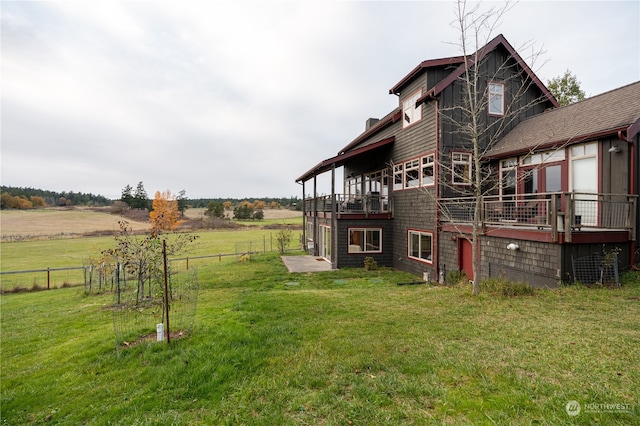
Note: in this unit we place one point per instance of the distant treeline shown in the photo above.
(52, 198)
(17, 197)
(286, 202)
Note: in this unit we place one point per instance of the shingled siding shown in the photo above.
(418, 139)
(414, 209)
(536, 263)
(356, 260)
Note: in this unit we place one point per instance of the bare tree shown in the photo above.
(468, 118)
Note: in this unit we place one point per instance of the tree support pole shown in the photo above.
(166, 289)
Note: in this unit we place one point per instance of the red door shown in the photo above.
(465, 258)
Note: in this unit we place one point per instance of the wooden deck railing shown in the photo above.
(559, 212)
(363, 204)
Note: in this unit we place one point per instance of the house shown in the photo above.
(558, 183)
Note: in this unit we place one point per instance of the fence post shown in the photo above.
(187, 263)
(48, 278)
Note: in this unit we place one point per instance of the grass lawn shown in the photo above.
(76, 252)
(341, 347)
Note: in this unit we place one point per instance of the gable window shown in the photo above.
(461, 168)
(496, 99)
(365, 240)
(411, 173)
(410, 112)
(427, 170)
(397, 177)
(420, 245)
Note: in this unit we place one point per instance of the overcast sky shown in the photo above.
(237, 99)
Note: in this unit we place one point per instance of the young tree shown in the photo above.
(468, 118)
(283, 238)
(566, 88)
(165, 215)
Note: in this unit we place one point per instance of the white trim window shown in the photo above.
(460, 168)
(365, 240)
(410, 112)
(427, 170)
(496, 99)
(353, 187)
(508, 182)
(398, 173)
(412, 174)
(420, 246)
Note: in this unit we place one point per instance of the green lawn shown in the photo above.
(76, 252)
(334, 348)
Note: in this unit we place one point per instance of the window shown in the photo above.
(397, 177)
(508, 177)
(461, 168)
(496, 99)
(365, 240)
(410, 112)
(420, 245)
(428, 176)
(411, 173)
(353, 187)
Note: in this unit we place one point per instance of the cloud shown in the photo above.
(237, 99)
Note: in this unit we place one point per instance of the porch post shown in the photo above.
(304, 219)
(568, 218)
(315, 216)
(334, 220)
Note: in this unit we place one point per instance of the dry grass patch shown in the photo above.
(55, 222)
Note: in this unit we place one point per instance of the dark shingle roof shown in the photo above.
(589, 119)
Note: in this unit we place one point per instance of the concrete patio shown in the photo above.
(306, 264)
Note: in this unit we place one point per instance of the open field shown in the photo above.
(70, 222)
(333, 348)
(43, 223)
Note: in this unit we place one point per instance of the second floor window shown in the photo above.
(411, 173)
(397, 177)
(428, 175)
(410, 112)
(496, 99)
(461, 168)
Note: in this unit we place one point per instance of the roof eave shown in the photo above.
(557, 143)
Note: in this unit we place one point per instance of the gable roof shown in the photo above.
(499, 40)
(432, 63)
(598, 116)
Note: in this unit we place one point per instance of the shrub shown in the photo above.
(504, 287)
(283, 238)
(456, 277)
(370, 263)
